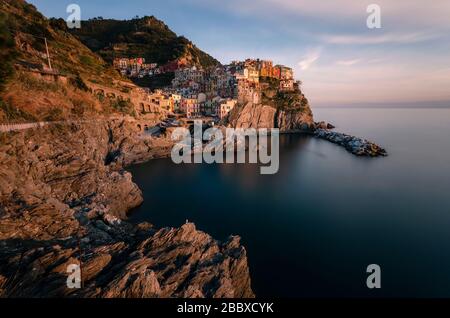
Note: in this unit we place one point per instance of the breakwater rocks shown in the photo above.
(355, 145)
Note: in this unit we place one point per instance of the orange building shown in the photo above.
(276, 72)
(266, 68)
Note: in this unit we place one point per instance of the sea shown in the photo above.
(312, 229)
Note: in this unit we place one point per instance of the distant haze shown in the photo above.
(327, 42)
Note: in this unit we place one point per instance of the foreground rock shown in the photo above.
(64, 195)
(121, 260)
(355, 145)
(324, 125)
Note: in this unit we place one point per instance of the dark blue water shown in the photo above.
(312, 229)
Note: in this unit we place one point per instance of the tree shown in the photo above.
(59, 24)
(7, 50)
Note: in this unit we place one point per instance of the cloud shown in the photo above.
(393, 38)
(376, 60)
(395, 81)
(402, 12)
(348, 62)
(309, 59)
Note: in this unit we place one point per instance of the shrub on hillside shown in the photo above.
(13, 114)
(123, 106)
(79, 83)
(7, 52)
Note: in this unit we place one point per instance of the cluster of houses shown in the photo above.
(190, 106)
(136, 67)
(197, 92)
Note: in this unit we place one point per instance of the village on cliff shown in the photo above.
(196, 92)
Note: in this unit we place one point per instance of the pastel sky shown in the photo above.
(327, 42)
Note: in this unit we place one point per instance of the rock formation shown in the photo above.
(274, 108)
(120, 260)
(64, 196)
(264, 116)
(298, 118)
(357, 146)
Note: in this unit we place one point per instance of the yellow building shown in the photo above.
(224, 108)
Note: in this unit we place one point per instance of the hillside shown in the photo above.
(145, 37)
(28, 27)
(75, 84)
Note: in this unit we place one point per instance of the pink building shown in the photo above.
(190, 107)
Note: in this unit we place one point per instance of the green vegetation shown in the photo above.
(145, 37)
(79, 83)
(156, 81)
(33, 84)
(287, 101)
(271, 96)
(7, 52)
(87, 60)
(54, 114)
(272, 82)
(23, 61)
(14, 114)
(58, 24)
(21, 14)
(68, 55)
(82, 107)
(123, 106)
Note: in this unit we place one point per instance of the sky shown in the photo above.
(328, 44)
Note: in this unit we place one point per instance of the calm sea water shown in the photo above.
(312, 229)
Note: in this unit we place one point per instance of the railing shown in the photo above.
(24, 126)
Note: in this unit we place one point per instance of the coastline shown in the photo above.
(78, 212)
(75, 192)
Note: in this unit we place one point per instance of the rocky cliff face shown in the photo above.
(264, 116)
(75, 164)
(274, 108)
(64, 194)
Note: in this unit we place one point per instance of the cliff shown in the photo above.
(265, 116)
(287, 110)
(64, 195)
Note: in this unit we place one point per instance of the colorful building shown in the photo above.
(190, 107)
(225, 108)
